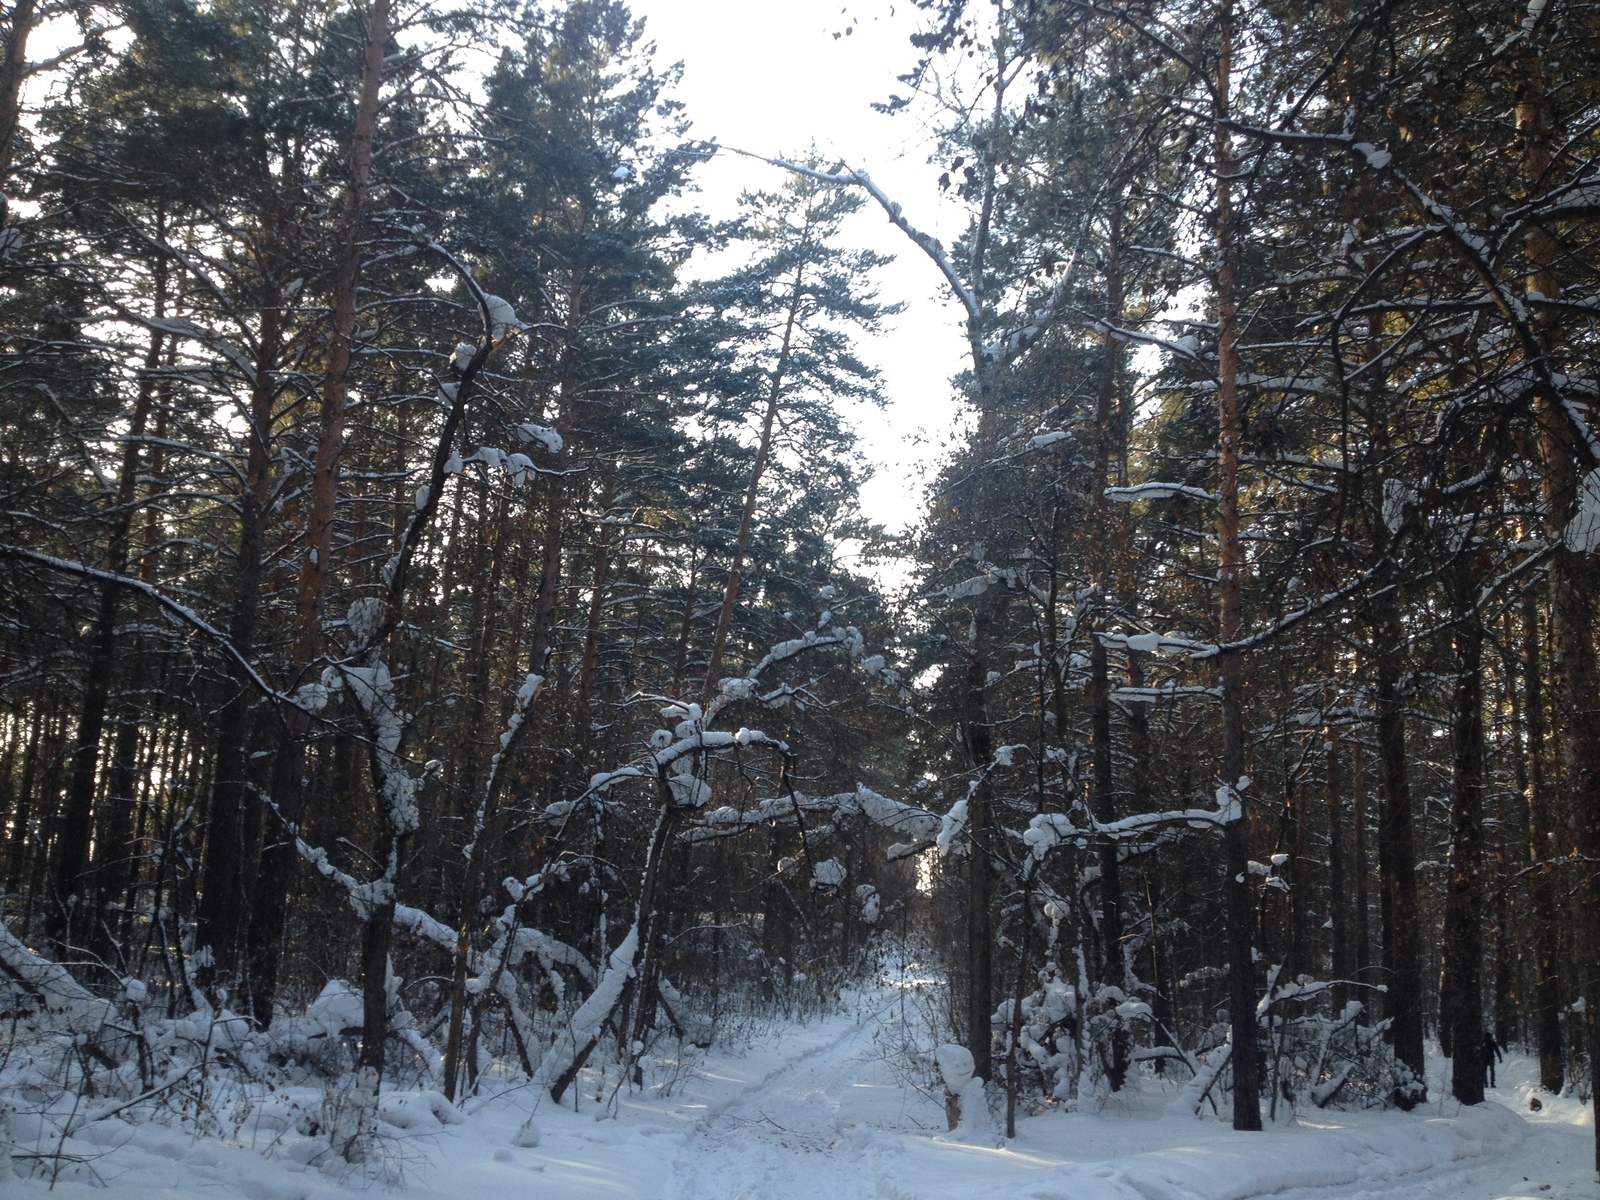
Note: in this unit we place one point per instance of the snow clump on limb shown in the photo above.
(871, 902)
(828, 873)
(542, 435)
(502, 317)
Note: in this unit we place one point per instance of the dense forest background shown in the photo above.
(434, 635)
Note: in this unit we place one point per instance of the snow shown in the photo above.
(955, 1066)
(502, 317)
(975, 586)
(1398, 497)
(1155, 491)
(953, 825)
(830, 873)
(1582, 533)
(541, 435)
(828, 1109)
(1376, 159)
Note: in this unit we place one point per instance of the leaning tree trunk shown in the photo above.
(730, 594)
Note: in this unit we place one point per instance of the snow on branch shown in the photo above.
(929, 245)
(919, 825)
(1186, 346)
(1048, 830)
(1148, 695)
(585, 1025)
(52, 985)
(1156, 491)
(1153, 643)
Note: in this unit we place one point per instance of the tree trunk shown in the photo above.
(1543, 853)
(730, 595)
(1230, 565)
(1397, 861)
(224, 894)
(605, 540)
(13, 70)
(317, 564)
(1338, 909)
(1112, 972)
(1463, 925)
(1570, 578)
(980, 940)
(279, 857)
(73, 871)
(1360, 928)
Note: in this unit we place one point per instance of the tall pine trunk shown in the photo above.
(1230, 566)
(1543, 854)
(1570, 578)
(279, 858)
(1461, 1002)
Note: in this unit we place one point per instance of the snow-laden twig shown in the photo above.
(1156, 491)
(1048, 830)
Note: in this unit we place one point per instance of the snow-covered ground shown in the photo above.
(824, 1111)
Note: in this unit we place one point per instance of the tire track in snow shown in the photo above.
(787, 1134)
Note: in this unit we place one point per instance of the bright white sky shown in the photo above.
(770, 76)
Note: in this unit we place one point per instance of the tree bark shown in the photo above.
(1230, 566)
(1103, 798)
(224, 901)
(1570, 579)
(1542, 856)
(317, 563)
(1397, 869)
(73, 870)
(13, 71)
(1463, 927)
(279, 859)
(980, 942)
(1343, 968)
(1360, 928)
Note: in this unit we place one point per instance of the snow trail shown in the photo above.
(822, 1111)
(813, 1126)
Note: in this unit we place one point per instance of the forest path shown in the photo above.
(820, 1124)
(833, 1119)
(827, 1110)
